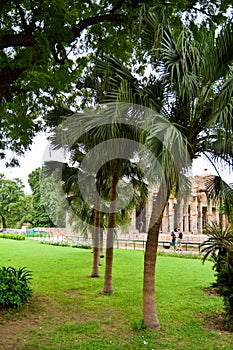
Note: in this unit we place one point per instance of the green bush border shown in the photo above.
(12, 236)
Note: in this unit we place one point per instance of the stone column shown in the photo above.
(209, 213)
(186, 215)
(179, 219)
(199, 215)
(171, 213)
(133, 221)
(149, 207)
(193, 217)
(165, 222)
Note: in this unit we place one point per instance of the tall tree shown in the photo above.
(191, 86)
(198, 101)
(87, 153)
(46, 49)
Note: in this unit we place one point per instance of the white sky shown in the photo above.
(28, 163)
(34, 158)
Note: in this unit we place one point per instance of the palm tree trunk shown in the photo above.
(108, 288)
(95, 247)
(150, 317)
(149, 312)
(96, 234)
(101, 236)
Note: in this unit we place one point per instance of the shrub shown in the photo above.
(219, 246)
(14, 286)
(12, 236)
(224, 284)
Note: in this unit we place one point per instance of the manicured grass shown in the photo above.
(68, 311)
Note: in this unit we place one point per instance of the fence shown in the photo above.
(135, 244)
(118, 243)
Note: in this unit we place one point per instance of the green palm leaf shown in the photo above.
(220, 238)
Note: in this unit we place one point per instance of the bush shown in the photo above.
(224, 284)
(12, 236)
(14, 286)
(219, 246)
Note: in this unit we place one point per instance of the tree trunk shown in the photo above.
(95, 247)
(149, 312)
(101, 245)
(96, 236)
(108, 288)
(150, 317)
(3, 223)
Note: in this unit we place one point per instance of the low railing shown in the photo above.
(118, 243)
(185, 245)
(136, 244)
(141, 244)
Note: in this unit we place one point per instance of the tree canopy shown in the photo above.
(46, 49)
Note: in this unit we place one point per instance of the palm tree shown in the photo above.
(88, 219)
(88, 146)
(193, 90)
(220, 241)
(198, 97)
(120, 168)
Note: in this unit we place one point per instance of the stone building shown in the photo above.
(190, 213)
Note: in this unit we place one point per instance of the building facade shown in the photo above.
(190, 213)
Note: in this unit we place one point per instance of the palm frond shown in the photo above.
(220, 238)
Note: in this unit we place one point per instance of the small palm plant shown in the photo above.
(219, 247)
(14, 286)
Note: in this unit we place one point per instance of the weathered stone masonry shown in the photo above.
(190, 213)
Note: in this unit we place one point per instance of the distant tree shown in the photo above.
(21, 212)
(41, 217)
(11, 197)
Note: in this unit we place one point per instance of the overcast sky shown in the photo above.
(34, 158)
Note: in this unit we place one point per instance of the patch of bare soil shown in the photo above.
(17, 326)
(15, 323)
(211, 291)
(217, 321)
(72, 293)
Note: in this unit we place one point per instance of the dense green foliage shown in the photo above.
(11, 201)
(14, 286)
(16, 208)
(47, 49)
(219, 246)
(224, 284)
(46, 211)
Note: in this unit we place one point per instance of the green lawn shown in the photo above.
(68, 311)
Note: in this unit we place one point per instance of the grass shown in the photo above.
(68, 312)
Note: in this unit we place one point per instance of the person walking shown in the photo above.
(173, 242)
(179, 239)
